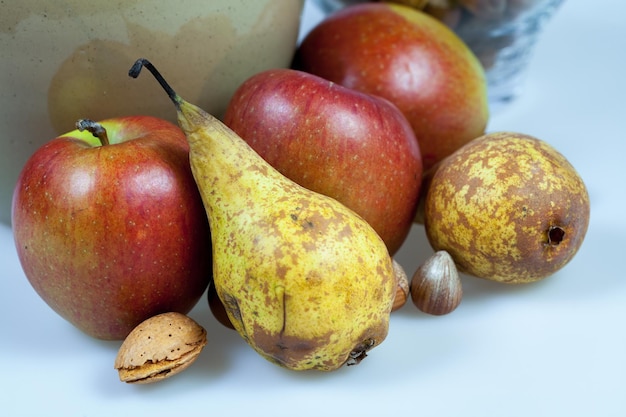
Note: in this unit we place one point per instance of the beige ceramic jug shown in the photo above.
(69, 59)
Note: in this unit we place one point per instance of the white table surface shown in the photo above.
(555, 348)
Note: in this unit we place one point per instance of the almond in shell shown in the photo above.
(159, 347)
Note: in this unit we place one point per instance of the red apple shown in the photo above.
(411, 59)
(112, 234)
(354, 147)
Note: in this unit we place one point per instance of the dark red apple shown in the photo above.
(409, 58)
(354, 147)
(110, 234)
(217, 307)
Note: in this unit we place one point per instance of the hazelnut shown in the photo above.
(402, 286)
(436, 287)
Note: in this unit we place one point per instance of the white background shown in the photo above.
(554, 348)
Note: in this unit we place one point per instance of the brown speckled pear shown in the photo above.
(507, 207)
(305, 281)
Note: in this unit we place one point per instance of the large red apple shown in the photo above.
(112, 234)
(411, 59)
(354, 147)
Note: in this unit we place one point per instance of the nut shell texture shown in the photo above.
(160, 347)
(402, 286)
(436, 287)
(507, 207)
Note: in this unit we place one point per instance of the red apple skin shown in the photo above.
(354, 147)
(409, 58)
(111, 235)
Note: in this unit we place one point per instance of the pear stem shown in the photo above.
(143, 62)
(95, 128)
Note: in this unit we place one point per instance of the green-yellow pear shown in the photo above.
(305, 281)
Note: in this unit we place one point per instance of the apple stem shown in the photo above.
(95, 128)
(143, 62)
